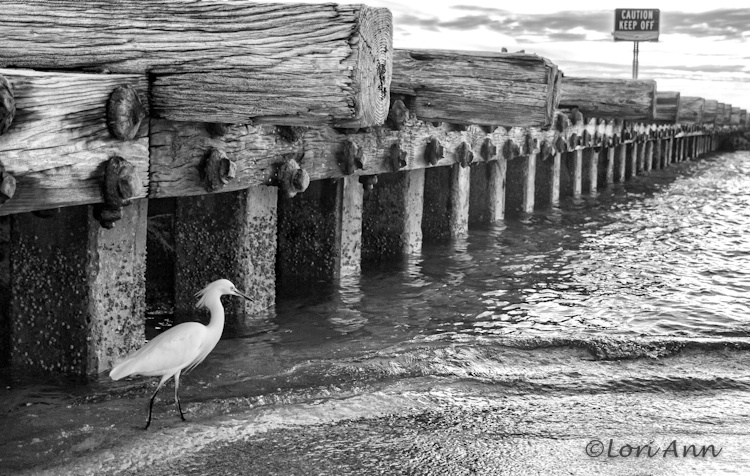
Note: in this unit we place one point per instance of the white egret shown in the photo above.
(180, 348)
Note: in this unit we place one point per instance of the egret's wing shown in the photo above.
(170, 350)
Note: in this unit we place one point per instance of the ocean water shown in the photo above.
(666, 254)
(657, 267)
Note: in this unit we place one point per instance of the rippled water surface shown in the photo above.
(667, 254)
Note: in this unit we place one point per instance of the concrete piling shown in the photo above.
(77, 290)
(227, 235)
(610, 165)
(555, 193)
(520, 184)
(632, 163)
(497, 185)
(5, 273)
(590, 171)
(437, 204)
(392, 216)
(459, 200)
(577, 172)
(621, 167)
(349, 203)
(546, 179)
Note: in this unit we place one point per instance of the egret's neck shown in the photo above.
(217, 314)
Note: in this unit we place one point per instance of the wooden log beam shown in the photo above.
(727, 114)
(667, 106)
(231, 61)
(720, 114)
(478, 88)
(734, 116)
(59, 141)
(631, 99)
(691, 110)
(709, 111)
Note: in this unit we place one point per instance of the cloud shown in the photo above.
(725, 23)
(722, 24)
(711, 72)
(706, 68)
(413, 20)
(506, 22)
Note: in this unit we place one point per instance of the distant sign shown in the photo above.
(636, 24)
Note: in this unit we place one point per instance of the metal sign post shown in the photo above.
(636, 25)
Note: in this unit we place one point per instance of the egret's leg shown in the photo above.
(151, 403)
(176, 395)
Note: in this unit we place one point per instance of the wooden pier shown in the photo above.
(289, 142)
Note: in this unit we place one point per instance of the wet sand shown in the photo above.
(537, 414)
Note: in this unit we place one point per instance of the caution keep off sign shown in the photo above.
(636, 24)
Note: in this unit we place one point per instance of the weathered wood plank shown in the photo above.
(218, 61)
(631, 99)
(667, 105)
(478, 88)
(691, 110)
(709, 111)
(177, 149)
(59, 141)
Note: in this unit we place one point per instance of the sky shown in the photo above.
(703, 48)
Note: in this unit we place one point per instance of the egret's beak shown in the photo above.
(237, 293)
